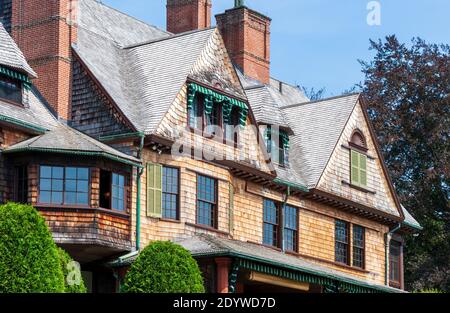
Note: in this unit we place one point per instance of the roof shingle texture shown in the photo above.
(11, 56)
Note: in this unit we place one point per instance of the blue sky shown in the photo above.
(316, 43)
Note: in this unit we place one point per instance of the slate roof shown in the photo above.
(143, 78)
(410, 220)
(11, 56)
(206, 245)
(317, 126)
(63, 138)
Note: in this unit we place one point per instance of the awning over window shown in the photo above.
(16, 75)
(212, 97)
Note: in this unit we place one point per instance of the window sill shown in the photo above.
(67, 208)
(19, 104)
(207, 228)
(168, 220)
(366, 190)
(360, 150)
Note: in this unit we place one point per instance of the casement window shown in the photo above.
(358, 169)
(277, 143)
(170, 193)
(21, 184)
(207, 201)
(290, 232)
(271, 230)
(113, 194)
(395, 263)
(64, 185)
(359, 234)
(10, 89)
(163, 191)
(342, 242)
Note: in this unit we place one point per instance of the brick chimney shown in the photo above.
(44, 31)
(187, 15)
(247, 37)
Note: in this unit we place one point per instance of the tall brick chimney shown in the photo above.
(44, 30)
(247, 37)
(187, 15)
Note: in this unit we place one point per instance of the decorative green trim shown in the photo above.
(211, 96)
(285, 141)
(120, 136)
(75, 152)
(16, 75)
(20, 123)
(292, 185)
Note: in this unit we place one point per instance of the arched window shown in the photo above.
(358, 140)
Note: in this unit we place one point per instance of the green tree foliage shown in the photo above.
(407, 88)
(29, 261)
(73, 281)
(164, 267)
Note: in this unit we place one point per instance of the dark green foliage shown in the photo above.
(29, 261)
(164, 267)
(72, 274)
(408, 93)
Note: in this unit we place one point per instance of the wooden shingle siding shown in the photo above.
(91, 111)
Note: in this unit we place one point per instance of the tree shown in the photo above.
(407, 89)
(312, 94)
(164, 267)
(29, 261)
(73, 282)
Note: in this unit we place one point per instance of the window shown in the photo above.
(271, 223)
(358, 169)
(64, 185)
(215, 117)
(112, 191)
(277, 143)
(195, 113)
(231, 126)
(206, 201)
(395, 263)
(21, 185)
(170, 191)
(10, 89)
(342, 253)
(290, 233)
(358, 246)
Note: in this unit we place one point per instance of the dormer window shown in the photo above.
(358, 159)
(10, 89)
(277, 143)
(209, 110)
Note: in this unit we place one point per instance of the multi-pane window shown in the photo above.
(64, 185)
(21, 185)
(206, 201)
(395, 263)
(358, 169)
(271, 223)
(10, 89)
(118, 192)
(342, 239)
(290, 234)
(170, 190)
(358, 246)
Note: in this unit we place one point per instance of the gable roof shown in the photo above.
(64, 139)
(11, 56)
(143, 79)
(318, 126)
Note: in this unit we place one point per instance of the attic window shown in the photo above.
(358, 140)
(277, 142)
(10, 89)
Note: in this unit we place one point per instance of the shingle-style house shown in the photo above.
(127, 134)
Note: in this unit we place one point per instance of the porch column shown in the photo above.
(223, 270)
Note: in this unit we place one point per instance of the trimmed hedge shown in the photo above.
(69, 275)
(29, 261)
(164, 267)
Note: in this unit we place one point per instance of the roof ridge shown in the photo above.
(321, 100)
(128, 15)
(167, 38)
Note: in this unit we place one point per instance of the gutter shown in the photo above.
(290, 185)
(35, 129)
(387, 240)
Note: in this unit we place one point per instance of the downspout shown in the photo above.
(140, 171)
(288, 193)
(387, 240)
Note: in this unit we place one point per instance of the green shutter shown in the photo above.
(355, 168)
(363, 170)
(154, 190)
